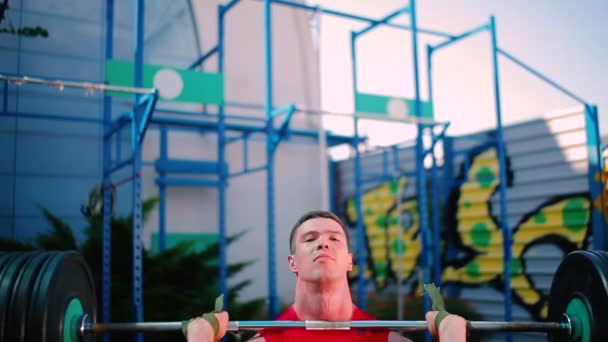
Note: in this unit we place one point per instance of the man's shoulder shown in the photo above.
(360, 315)
(288, 315)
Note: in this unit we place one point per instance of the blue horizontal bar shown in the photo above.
(251, 170)
(382, 21)
(459, 37)
(50, 117)
(171, 181)
(118, 166)
(229, 5)
(541, 76)
(188, 166)
(332, 139)
(203, 58)
(210, 115)
(360, 18)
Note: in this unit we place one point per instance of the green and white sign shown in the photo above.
(393, 107)
(180, 85)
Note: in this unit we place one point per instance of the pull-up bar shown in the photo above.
(361, 18)
(385, 20)
(433, 48)
(72, 84)
(541, 76)
(459, 37)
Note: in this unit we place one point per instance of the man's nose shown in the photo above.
(323, 243)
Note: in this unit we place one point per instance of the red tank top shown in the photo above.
(299, 334)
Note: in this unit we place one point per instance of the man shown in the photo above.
(320, 259)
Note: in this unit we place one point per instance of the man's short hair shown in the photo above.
(312, 215)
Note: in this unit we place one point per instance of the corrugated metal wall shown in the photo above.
(548, 213)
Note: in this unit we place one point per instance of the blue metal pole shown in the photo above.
(107, 181)
(384, 20)
(436, 224)
(136, 196)
(273, 309)
(223, 176)
(162, 191)
(541, 76)
(361, 250)
(420, 170)
(594, 160)
(5, 97)
(360, 247)
(359, 18)
(461, 36)
(504, 216)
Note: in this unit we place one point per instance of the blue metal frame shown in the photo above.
(502, 169)
(140, 122)
(420, 170)
(138, 309)
(420, 154)
(107, 181)
(595, 160)
(598, 223)
(273, 303)
(139, 119)
(223, 173)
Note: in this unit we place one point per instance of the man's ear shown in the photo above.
(350, 262)
(292, 264)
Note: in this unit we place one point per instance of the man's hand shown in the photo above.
(200, 330)
(452, 328)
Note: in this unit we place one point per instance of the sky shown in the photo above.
(562, 39)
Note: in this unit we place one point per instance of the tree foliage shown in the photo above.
(178, 283)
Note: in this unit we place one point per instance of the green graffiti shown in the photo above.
(381, 222)
(380, 269)
(369, 211)
(472, 270)
(394, 185)
(485, 177)
(481, 235)
(540, 218)
(467, 204)
(399, 247)
(516, 268)
(575, 215)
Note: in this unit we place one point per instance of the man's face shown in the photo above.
(321, 251)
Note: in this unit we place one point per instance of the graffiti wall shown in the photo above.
(548, 213)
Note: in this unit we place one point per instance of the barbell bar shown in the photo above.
(50, 296)
(86, 327)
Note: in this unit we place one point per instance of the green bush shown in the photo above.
(178, 283)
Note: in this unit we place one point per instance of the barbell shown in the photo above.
(50, 296)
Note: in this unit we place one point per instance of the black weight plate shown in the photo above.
(66, 278)
(33, 329)
(581, 277)
(37, 316)
(5, 258)
(10, 274)
(20, 298)
(5, 293)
